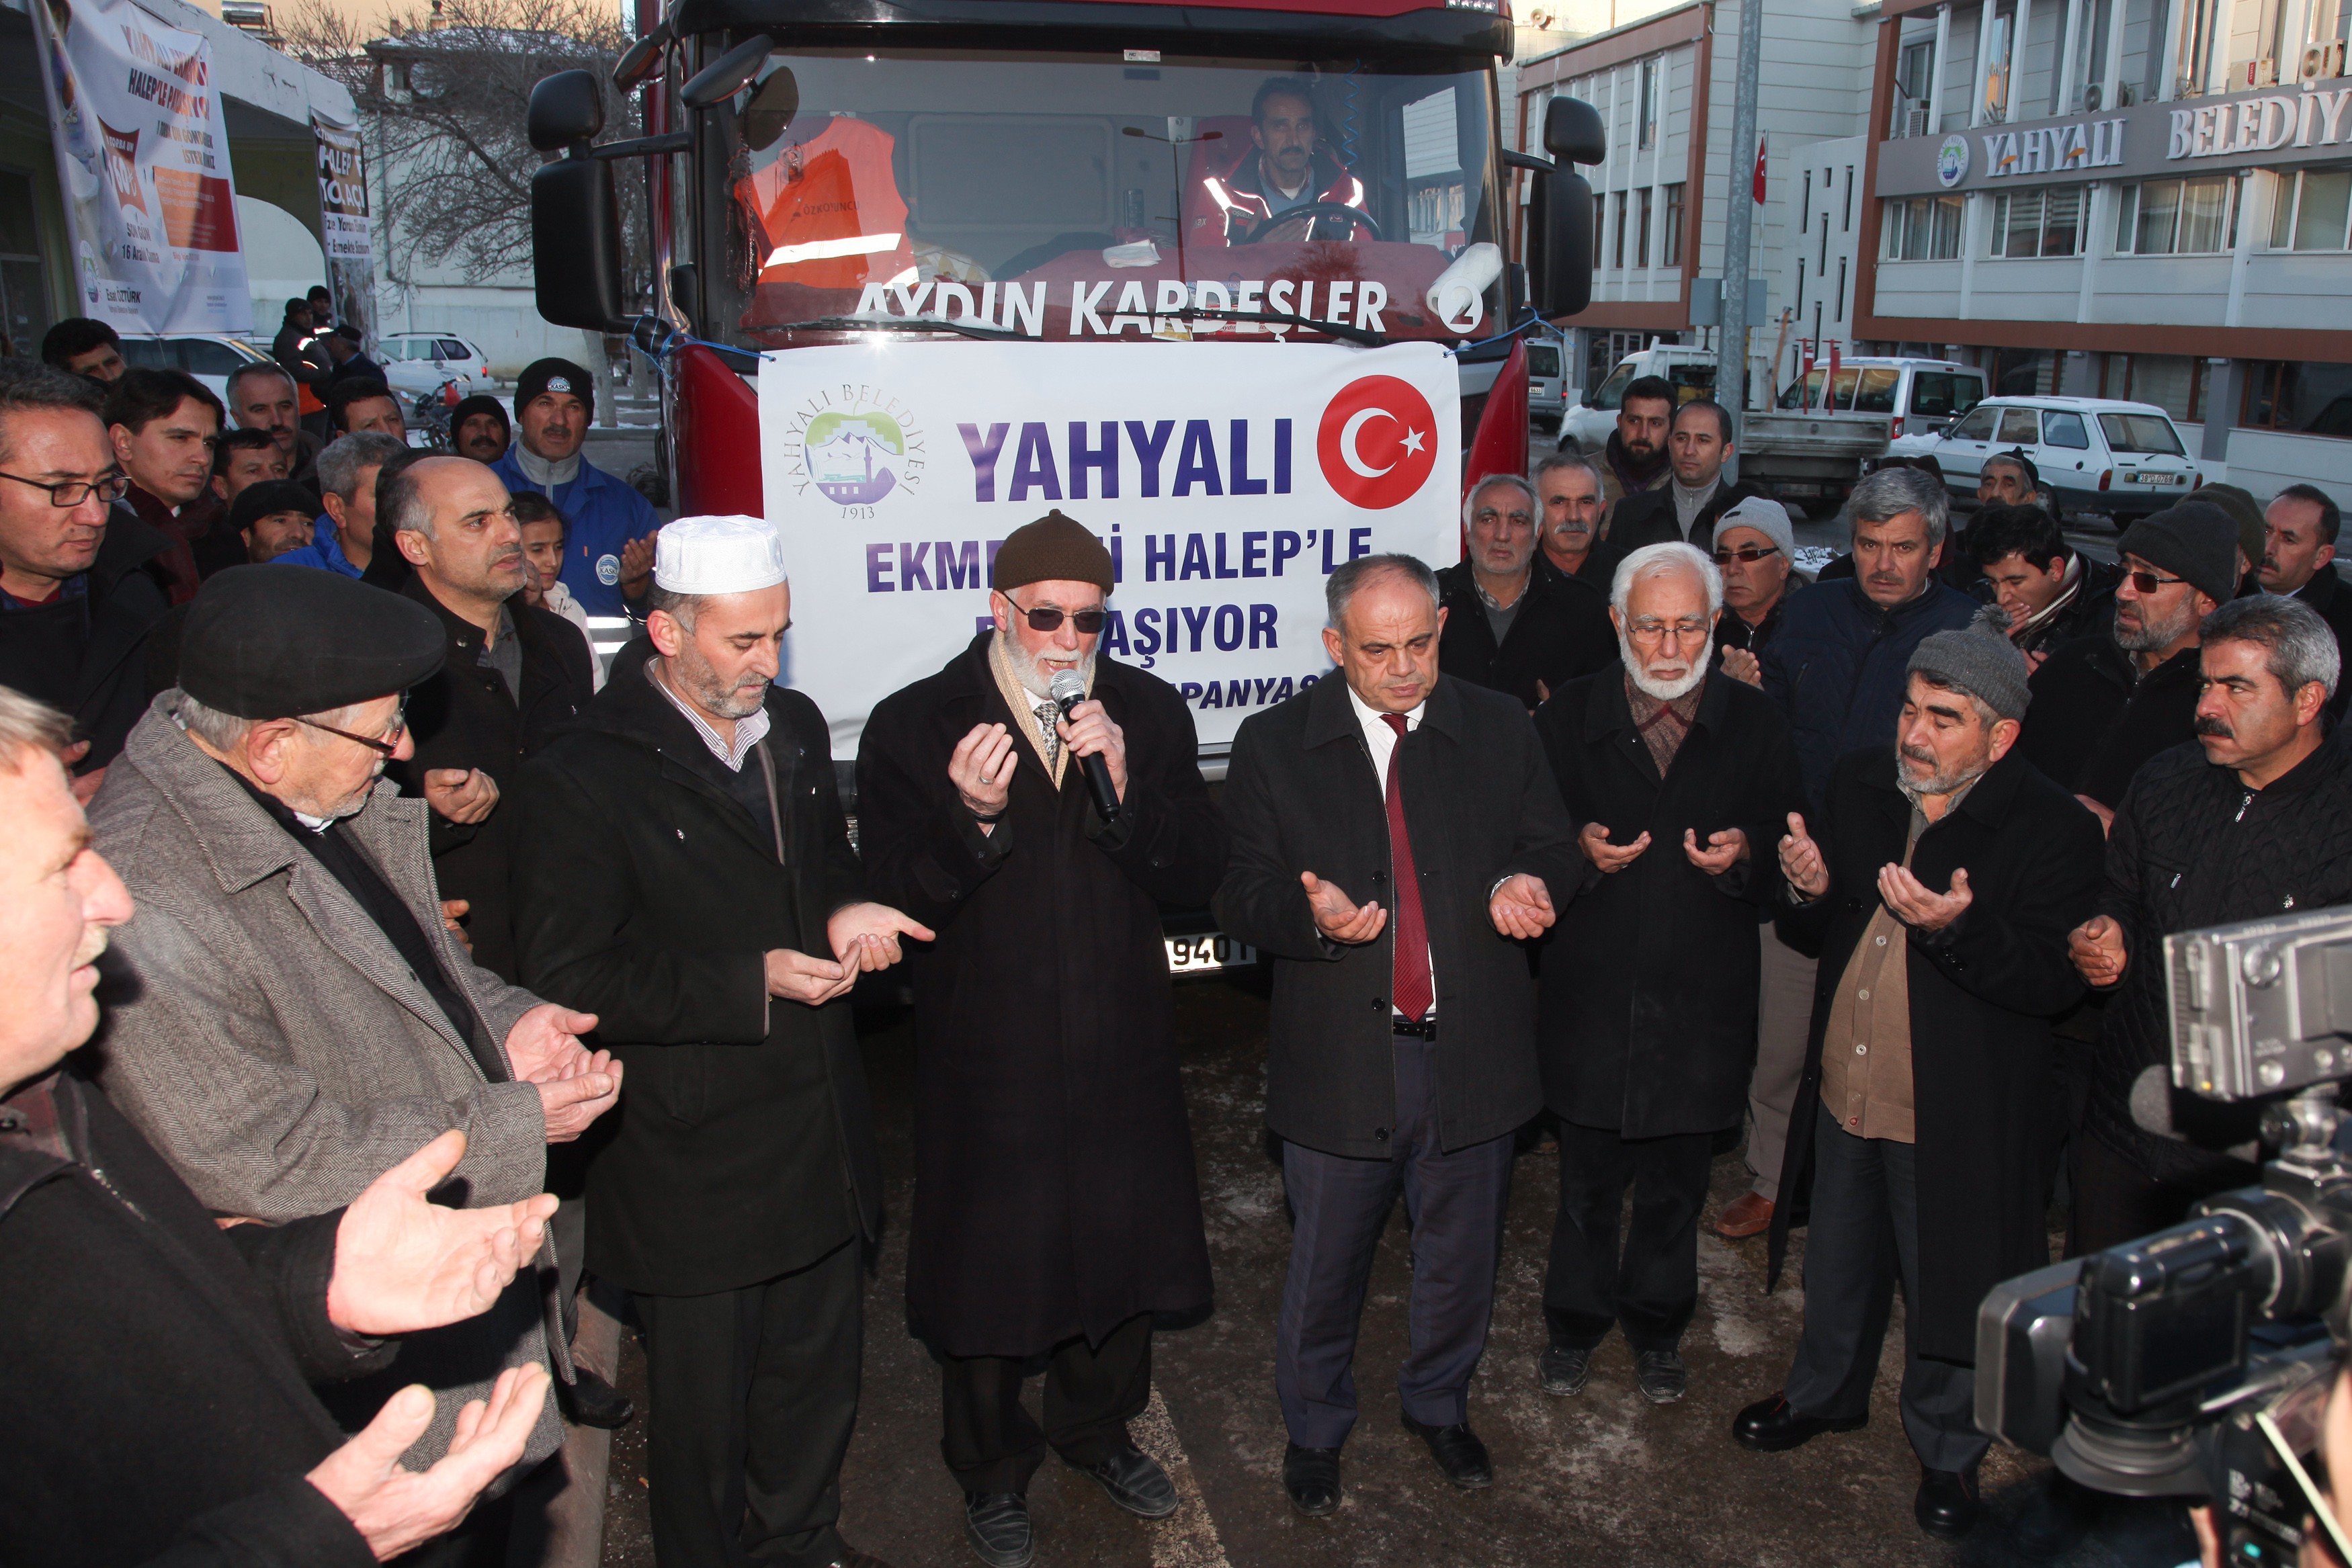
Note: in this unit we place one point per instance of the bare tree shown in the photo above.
(441, 95)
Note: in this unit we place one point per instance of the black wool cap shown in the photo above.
(480, 403)
(255, 502)
(542, 376)
(2194, 539)
(276, 642)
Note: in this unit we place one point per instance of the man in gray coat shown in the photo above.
(288, 1015)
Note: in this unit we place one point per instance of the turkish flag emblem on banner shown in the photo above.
(1759, 170)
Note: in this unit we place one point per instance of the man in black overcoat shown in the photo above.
(1938, 887)
(683, 860)
(1509, 626)
(1646, 1014)
(159, 1367)
(515, 674)
(1056, 1209)
(1396, 837)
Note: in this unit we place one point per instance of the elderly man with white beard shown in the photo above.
(1676, 780)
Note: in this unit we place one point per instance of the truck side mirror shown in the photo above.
(1559, 243)
(566, 109)
(575, 241)
(727, 75)
(1573, 133)
(641, 58)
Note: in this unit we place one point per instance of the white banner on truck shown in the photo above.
(143, 155)
(1228, 481)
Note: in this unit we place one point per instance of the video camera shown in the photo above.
(2196, 1363)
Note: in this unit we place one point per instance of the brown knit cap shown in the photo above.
(1054, 549)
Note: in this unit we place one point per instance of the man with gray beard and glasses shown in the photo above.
(1056, 1213)
(1646, 1019)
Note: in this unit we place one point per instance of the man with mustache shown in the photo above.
(1646, 1019)
(1634, 459)
(1571, 488)
(2299, 529)
(2248, 822)
(608, 548)
(1936, 883)
(2105, 704)
(1755, 551)
(1698, 447)
(686, 871)
(1508, 627)
(1058, 1216)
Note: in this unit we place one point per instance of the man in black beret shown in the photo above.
(608, 550)
(291, 1015)
(272, 519)
(1056, 1211)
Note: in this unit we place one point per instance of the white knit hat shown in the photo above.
(717, 555)
(1767, 516)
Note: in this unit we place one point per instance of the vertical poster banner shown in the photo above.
(1228, 481)
(344, 221)
(143, 156)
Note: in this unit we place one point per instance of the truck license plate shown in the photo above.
(1212, 950)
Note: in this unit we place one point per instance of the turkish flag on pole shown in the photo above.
(1759, 170)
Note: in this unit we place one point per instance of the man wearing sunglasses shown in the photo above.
(2107, 702)
(1755, 551)
(81, 581)
(1056, 1211)
(288, 1017)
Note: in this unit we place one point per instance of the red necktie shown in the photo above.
(1411, 983)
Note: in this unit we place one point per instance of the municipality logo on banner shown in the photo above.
(1228, 480)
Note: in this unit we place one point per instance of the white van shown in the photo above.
(1546, 379)
(1923, 396)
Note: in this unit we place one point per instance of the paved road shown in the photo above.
(1601, 1477)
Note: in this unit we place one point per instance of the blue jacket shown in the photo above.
(601, 514)
(1837, 667)
(325, 552)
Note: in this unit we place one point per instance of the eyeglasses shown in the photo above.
(2148, 582)
(384, 747)
(1087, 622)
(1745, 554)
(70, 492)
(1649, 630)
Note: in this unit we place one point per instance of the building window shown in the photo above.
(2297, 395)
(1646, 128)
(1670, 251)
(24, 277)
(2174, 382)
(1617, 250)
(2176, 217)
(1599, 232)
(1923, 228)
(2037, 222)
(1915, 116)
(2311, 209)
(1642, 234)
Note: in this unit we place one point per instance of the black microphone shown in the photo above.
(1069, 689)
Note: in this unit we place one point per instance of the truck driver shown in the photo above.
(1288, 170)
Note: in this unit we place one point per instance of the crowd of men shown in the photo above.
(340, 876)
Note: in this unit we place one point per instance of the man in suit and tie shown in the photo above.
(1396, 836)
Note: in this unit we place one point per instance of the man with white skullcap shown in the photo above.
(683, 860)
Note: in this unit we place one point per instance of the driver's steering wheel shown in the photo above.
(1313, 210)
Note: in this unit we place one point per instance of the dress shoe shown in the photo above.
(1769, 1426)
(1311, 1476)
(1947, 1506)
(1458, 1452)
(1137, 1483)
(1662, 1377)
(1563, 1368)
(1749, 1214)
(593, 1402)
(997, 1525)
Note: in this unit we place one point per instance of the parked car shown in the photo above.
(1586, 426)
(420, 362)
(1922, 396)
(1547, 390)
(207, 356)
(2099, 456)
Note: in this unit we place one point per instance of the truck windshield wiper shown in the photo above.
(897, 324)
(1341, 329)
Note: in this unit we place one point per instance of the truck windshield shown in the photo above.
(1090, 196)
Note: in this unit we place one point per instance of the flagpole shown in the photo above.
(1739, 218)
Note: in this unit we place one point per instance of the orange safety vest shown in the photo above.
(827, 211)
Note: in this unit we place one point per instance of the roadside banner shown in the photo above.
(143, 156)
(343, 220)
(1228, 480)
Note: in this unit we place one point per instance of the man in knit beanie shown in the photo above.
(1057, 1215)
(1938, 897)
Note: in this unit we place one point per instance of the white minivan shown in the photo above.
(2121, 460)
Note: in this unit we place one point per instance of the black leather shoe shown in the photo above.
(1311, 1476)
(1660, 1376)
(592, 1401)
(1947, 1506)
(1769, 1426)
(1563, 1368)
(1458, 1452)
(1137, 1483)
(997, 1525)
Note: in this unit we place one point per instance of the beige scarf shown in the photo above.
(1043, 714)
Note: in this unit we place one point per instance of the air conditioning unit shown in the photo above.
(2321, 61)
(1914, 120)
(2260, 73)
